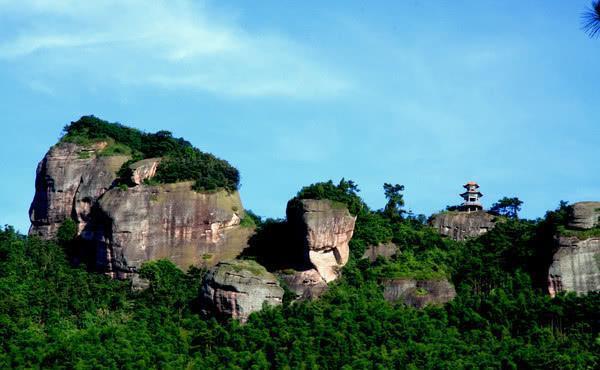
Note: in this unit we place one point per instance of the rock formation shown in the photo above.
(576, 263)
(69, 180)
(585, 215)
(385, 250)
(236, 288)
(143, 170)
(418, 293)
(325, 229)
(463, 225)
(307, 284)
(122, 227)
(575, 266)
(170, 221)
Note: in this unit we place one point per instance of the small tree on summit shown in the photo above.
(509, 207)
(393, 208)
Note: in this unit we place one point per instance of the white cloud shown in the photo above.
(170, 44)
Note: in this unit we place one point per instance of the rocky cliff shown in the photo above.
(69, 181)
(463, 225)
(324, 228)
(236, 288)
(169, 221)
(121, 227)
(576, 263)
(575, 266)
(418, 293)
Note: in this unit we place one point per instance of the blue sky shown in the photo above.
(428, 94)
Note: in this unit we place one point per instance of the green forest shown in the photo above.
(56, 315)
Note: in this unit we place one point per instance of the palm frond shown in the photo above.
(590, 19)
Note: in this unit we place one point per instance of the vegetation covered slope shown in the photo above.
(54, 315)
(181, 161)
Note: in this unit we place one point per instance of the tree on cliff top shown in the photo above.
(181, 161)
(509, 207)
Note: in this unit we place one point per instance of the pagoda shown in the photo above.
(471, 197)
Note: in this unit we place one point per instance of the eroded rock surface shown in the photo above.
(69, 181)
(169, 221)
(236, 288)
(143, 170)
(325, 228)
(575, 266)
(307, 284)
(463, 225)
(418, 293)
(586, 215)
(386, 250)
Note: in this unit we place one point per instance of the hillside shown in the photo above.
(141, 255)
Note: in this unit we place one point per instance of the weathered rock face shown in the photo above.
(169, 221)
(575, 266)
(586, 215)
(236, 288)
(306, 284)
(325, 228)
(69, 181)
(463, 225)
(144, 170)
(418, 293)
(386, 250)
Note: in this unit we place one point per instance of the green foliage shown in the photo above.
(67, 232)
(509, 207)
(55, 316)
(182, 162)
(345, 192)
(395, 200)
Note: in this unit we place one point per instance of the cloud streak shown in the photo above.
(172, 45)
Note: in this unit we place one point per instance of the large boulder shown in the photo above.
(306, 284)
(586, 215)
(168, 221)
(324, 228)
(575, 266)
(69, 181)
(418, 293)
(463, 225)
(385, 250)
(237, 288)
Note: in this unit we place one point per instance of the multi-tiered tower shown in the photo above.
(471, 197)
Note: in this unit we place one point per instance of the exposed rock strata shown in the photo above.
(463, 225)
(169, 221)
(143, 170)
(575, 266)
(235, 289)
(418, 293)
(386, 250)
(69, 180)
(585, 215)
(306, 284)
(325, 229)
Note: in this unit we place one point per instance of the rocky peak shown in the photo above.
(325, 229)
(237, 288)
(586, 215)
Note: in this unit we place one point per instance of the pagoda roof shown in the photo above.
(471, 192)
(470, 183)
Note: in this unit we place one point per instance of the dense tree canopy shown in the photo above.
(181, 160)
(56, 315)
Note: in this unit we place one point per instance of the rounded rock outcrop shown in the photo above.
(463, 225)
(236, 288)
